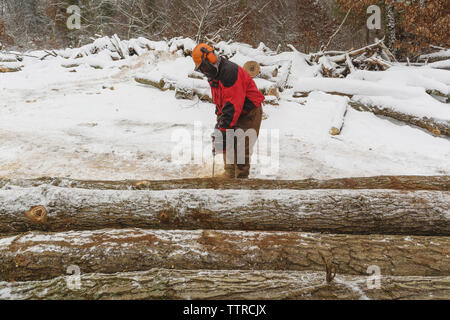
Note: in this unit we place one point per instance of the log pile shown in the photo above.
(113, 47)
(179, 239)
(339, 64)
(439, 58)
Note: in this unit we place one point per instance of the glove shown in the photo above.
(213, 138)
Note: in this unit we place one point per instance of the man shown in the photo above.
(238, 106)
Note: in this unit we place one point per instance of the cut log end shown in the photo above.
(253, 68)
(335, 131)
(37, 215)
(273, 91)
(140, 183)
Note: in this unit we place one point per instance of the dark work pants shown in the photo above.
(251, 120)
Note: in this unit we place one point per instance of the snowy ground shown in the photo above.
(101, 124)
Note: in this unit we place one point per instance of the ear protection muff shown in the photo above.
(206, 55)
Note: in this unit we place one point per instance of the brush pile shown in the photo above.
(339, 64)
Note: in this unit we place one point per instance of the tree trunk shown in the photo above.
(40, 256)
(438, 183)
(435, 126)
(226, 285)
(335, 211)
(390, 25)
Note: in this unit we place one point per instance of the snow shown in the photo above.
(6, 242)
(101, 124)
(440, 64)
(405, 76)
(438, 54)
(354, 87)
(425, 106)
(11, 65)
(6, 292)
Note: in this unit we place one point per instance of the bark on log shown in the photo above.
(163, 84)
(41, 256)
(184, 92)
(438, 183)
(180, 91)
(438, 93)
(225, 285)
(334, 211)
(435, 126)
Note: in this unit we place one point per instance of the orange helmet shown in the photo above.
(203, 52)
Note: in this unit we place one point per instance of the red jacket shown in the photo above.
(234, 92)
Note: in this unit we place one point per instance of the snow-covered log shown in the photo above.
(337, 121)
(378, 62)
(41, 256)
(341, 58)
(438, 183)
(184, 88)
(439, 55)
(336, 211)
(172, 284)
(304, 94)
(435, 126)
(269, 72)
(10, 67)
(119, 46)
(160, 83)
(4, 57)
(444, 64)
(438, 93)
(349, 63)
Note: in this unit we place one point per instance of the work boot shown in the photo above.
(243, 171)
(229, 173)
